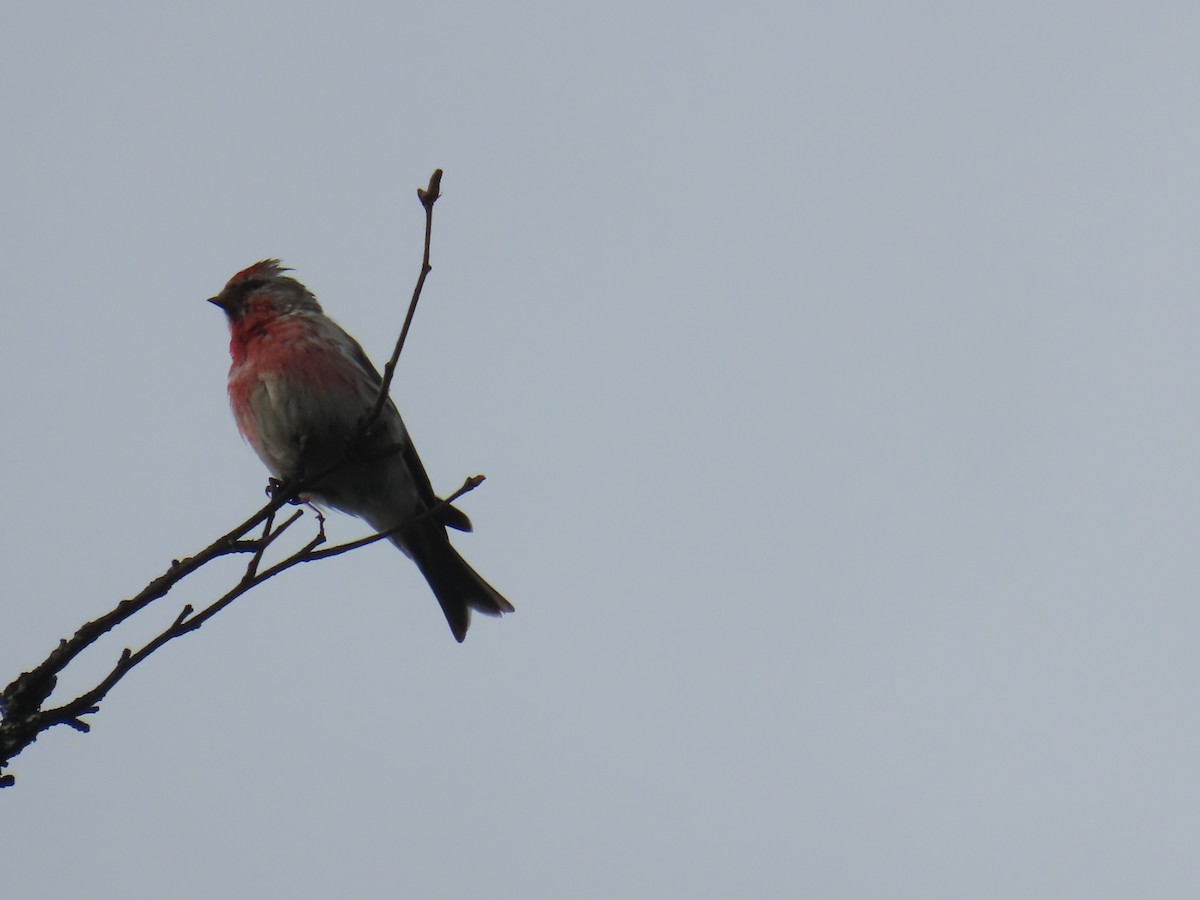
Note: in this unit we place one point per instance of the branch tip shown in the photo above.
(429, 195)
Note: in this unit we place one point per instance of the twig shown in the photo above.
(469, 485)
(428, 197)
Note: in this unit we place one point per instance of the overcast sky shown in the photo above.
(833, 370)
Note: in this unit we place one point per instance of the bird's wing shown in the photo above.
(449, 515)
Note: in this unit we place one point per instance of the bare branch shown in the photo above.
(22, 717)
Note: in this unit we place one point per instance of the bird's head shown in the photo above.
(263, 288)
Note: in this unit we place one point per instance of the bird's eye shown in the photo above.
(253, 285)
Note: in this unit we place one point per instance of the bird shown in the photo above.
(300, 387)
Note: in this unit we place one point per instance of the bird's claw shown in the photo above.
(275, 488)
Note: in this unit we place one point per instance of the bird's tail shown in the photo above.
(458, 587)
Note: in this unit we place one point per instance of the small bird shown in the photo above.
(299, 387)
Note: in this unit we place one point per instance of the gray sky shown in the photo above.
(832, 367)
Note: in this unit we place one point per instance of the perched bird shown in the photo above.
(299, 387)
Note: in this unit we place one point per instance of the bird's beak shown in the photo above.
(220, 301)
